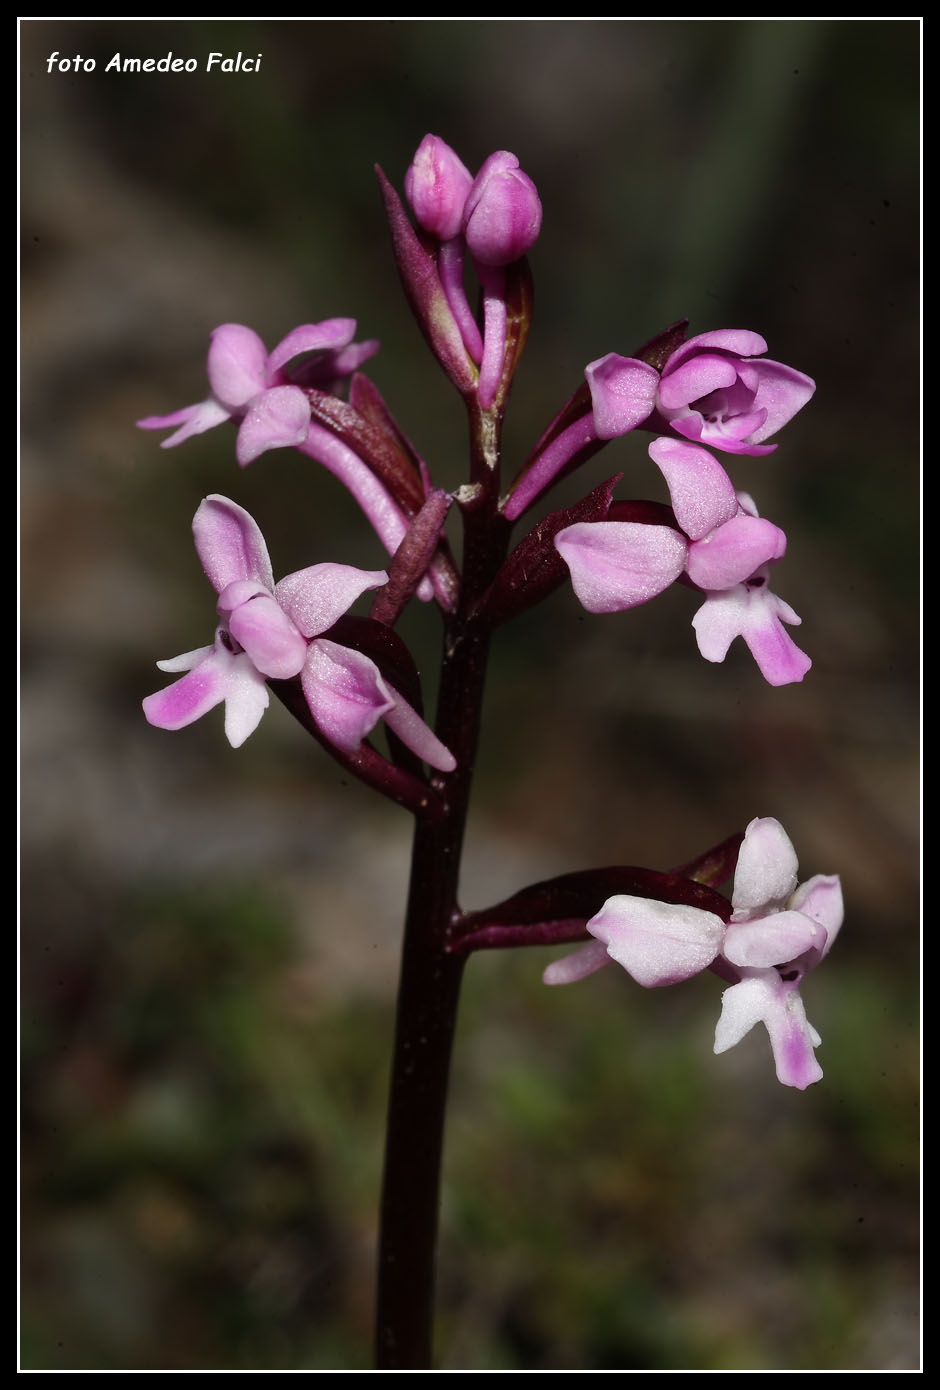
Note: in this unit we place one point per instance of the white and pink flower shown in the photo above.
(723, 547)
(275, 631)
(778, 931)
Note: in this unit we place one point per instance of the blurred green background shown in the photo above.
(210, 937)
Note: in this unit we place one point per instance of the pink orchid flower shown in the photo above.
(723, 547)
(778, 931)
(718, 389)
(262, 390)
(275, 631)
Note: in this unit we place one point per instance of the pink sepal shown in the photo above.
(623, 393)
(701, 493)
(657, 943)
(275, 419)
(766, 870)
(314, 598)
(741, 341)
(329, 336)
(230, 544)
(782, 391)
(617, 565)
(345, 693)
(237, 365)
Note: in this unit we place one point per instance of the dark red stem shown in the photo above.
(430, 976)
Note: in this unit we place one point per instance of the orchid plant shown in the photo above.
(340, 675)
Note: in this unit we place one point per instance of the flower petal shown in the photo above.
(740, 341)
(623, 393)
(657, 943)
(329, 372)
(237, 365)
(328, 336)
(699, 375)
(820, 898)
(618, 564)
(781, 391)
(733, 552)
(269, 637)
(775, 939)
(345, 692)
(701, 493)
(767, 866)
(230, 544)
(278, 418)
(316, 597)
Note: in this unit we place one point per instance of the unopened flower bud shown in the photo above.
(503, 214)
(437, 184)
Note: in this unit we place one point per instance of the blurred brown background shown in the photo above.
(210, 936)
